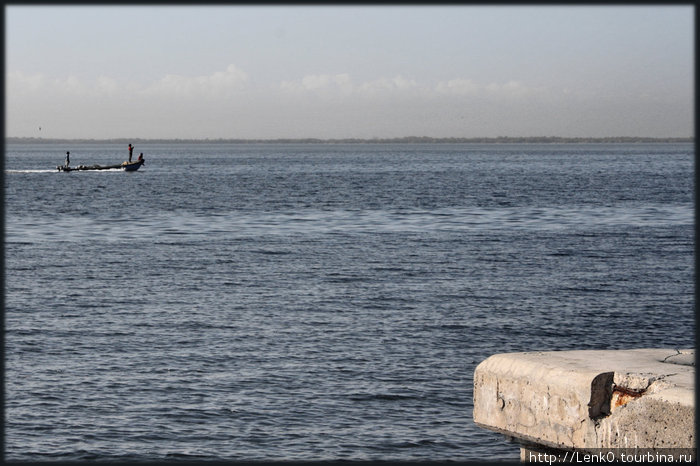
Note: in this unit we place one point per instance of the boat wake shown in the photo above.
(112, 170)
(30, 171)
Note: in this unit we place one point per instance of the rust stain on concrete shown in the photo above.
(621, 395)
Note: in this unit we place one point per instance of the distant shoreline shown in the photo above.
(402, 140)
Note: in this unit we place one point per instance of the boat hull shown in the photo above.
(126, 166)
(132, 166)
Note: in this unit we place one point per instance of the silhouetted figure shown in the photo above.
(67, 158)
(131, 151)
(140, 159)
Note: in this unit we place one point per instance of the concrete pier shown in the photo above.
(590, 402)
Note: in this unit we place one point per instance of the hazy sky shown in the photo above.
(350, 71)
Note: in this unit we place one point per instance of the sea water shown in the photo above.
(322, 301)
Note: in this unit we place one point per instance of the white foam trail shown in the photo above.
(31, 171)
(113, 170)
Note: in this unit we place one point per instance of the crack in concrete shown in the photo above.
(672, 355)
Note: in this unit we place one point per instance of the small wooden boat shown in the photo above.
(126, 166)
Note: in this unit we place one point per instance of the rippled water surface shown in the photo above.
(286, 302)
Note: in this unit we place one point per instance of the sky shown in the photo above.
(352, 71)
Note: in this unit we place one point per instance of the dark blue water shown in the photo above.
(286, 302)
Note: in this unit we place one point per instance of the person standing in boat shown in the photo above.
(131, 152)
(67, 158)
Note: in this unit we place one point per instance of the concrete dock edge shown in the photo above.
(590, 401)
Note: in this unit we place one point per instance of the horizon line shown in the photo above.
(402, 139)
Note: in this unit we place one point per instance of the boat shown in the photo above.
(126, 166)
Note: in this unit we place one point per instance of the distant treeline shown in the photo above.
(402, 140)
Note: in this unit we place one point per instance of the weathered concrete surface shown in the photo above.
(642, 398)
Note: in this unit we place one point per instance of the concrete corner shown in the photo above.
(586, 400)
